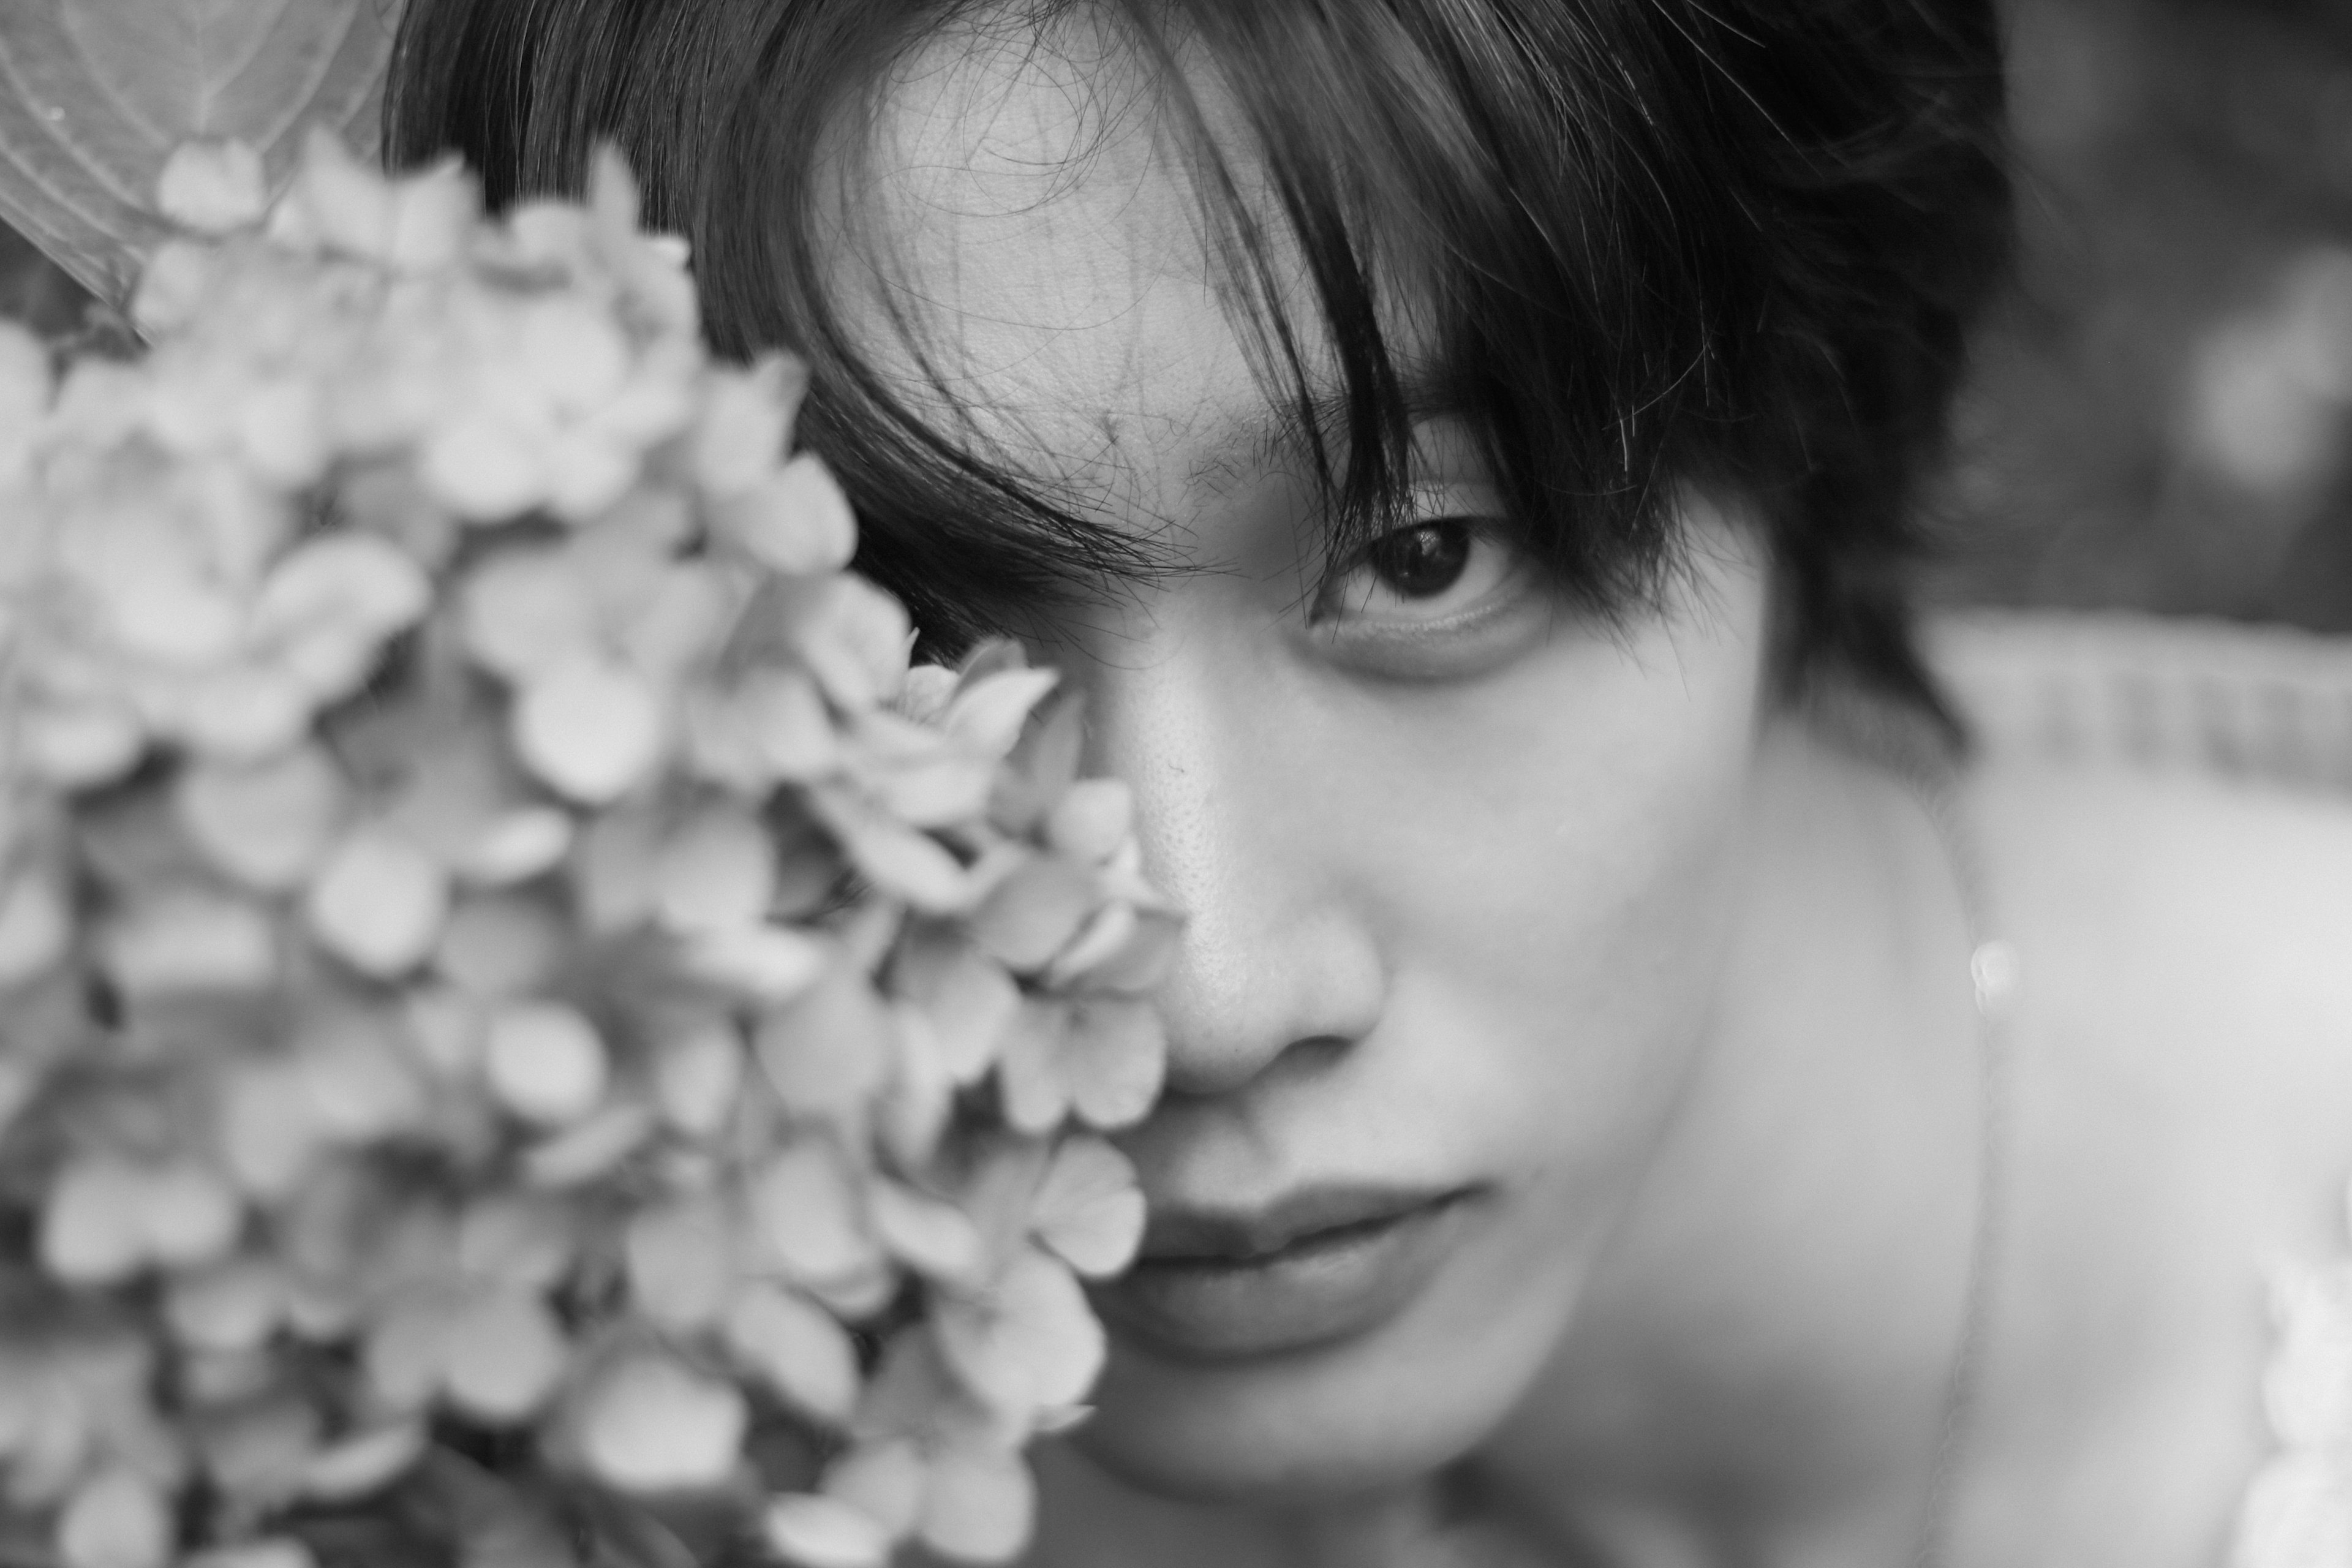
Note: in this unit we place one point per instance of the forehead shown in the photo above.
(1022, 254)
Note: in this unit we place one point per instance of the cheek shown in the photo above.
(1546, 865)
(1542, 859)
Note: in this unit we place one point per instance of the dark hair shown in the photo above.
(1732, 240)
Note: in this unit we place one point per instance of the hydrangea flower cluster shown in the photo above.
(527, 1033)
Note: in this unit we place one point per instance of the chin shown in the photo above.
(1375, 1413)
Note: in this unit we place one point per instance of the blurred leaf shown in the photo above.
(716, 873)
(363, 1463)
(649, 1423)
(591, 727)
(803, 1354)
(98, 92)
(116, 1519)
(932, 1234)
(1035, 911)
(1028, 1345)
(681, 1262)
(265, 824)
(1089, 1209)
(502, 1355)
(546, 1063)
(980, 1504)
(883, 1479)
(831, 1049)
(378, 903)
(806, 1209)
(1092, 819)
(824, 1533)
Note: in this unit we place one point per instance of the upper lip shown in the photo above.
(1211, 1234)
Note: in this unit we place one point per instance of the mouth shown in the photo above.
(1320, 1266)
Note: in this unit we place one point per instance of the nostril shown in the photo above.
(1194, 1076)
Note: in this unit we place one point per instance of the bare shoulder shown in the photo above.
(2196, 929)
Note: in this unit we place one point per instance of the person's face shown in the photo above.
(1455, 854)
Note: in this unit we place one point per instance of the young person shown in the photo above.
(1636, 1096)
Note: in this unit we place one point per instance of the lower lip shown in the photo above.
(1325, 1289)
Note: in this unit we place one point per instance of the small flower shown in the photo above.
(212, 187)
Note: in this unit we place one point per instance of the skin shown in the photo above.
(1486, 894)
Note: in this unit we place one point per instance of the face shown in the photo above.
(1454, 853)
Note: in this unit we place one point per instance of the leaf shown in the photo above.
(883, 1479)
(91, 1232)
(188, 1214)
(1035, 911)
(118, 1518)
(35, 928)
(276, 1552)
(715, 873)
(1028, 1345)
(895, 858)
(806, 1210)
(932, 1235)
(1106, 937)
(255, 1449)
(591, 727)
(232, 1305)
(546, 1063)
(681, 1262)
(525, 1240)
(697, 1070)
(358, 1078)
(98, 92)
(500, 945)
(269, 1128)
(212, 187)
(1092, 820)
(378, 903)
(980, 1504)
(745, 421)
(988, 714)
(524, 612)
(363, 1463)
(1116, 1058)
(767, 965)
(824, 1533)
(649, 1423)
(830, 1050)
(265, 824)
(589, 1147)
(517, 846)
(795, 521)
(502, 1355)
(855, 640)
(329, 606)
(805, 1356)
(180, 939)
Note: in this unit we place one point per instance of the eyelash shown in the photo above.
(1473, 537)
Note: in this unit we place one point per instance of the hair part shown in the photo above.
(1739, 242)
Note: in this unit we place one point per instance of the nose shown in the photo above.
(1279, 963)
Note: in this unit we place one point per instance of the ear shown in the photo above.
(95, 94)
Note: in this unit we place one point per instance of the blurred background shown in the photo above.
(2161, 413)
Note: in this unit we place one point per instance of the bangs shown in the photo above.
(1638, 243)
(1413, 177)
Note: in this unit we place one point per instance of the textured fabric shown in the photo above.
(2264, 704)
(2255, 702)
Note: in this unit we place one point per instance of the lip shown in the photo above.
(1314, 1267)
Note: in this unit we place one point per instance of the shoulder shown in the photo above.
(2119, 866)
(2184, 936)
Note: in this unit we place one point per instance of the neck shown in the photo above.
(1762, 1365)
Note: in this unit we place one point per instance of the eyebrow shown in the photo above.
(1280, 430)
